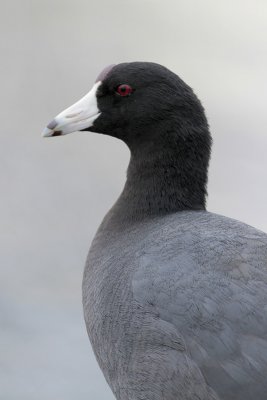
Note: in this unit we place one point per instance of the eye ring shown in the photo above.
(124, 90)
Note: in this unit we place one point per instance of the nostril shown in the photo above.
(73, 115)
(52, 124)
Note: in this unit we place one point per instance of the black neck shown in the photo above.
(165, 179)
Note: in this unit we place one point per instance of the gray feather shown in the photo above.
(184, 301)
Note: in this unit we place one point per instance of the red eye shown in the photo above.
(124, 90)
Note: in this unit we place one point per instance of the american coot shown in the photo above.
(175, 297)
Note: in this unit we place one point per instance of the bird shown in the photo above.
(174, 296)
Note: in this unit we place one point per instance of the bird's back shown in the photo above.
(207, 275)
(190, 283)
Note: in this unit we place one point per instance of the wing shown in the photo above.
(208, 279)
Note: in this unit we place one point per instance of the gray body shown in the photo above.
(179, 312)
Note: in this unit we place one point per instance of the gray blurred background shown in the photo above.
(55, 192)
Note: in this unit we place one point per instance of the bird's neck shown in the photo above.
(161, 182)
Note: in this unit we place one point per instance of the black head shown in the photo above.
(144, 103)
(160, 119)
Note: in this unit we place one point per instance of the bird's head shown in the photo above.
(141, 103)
